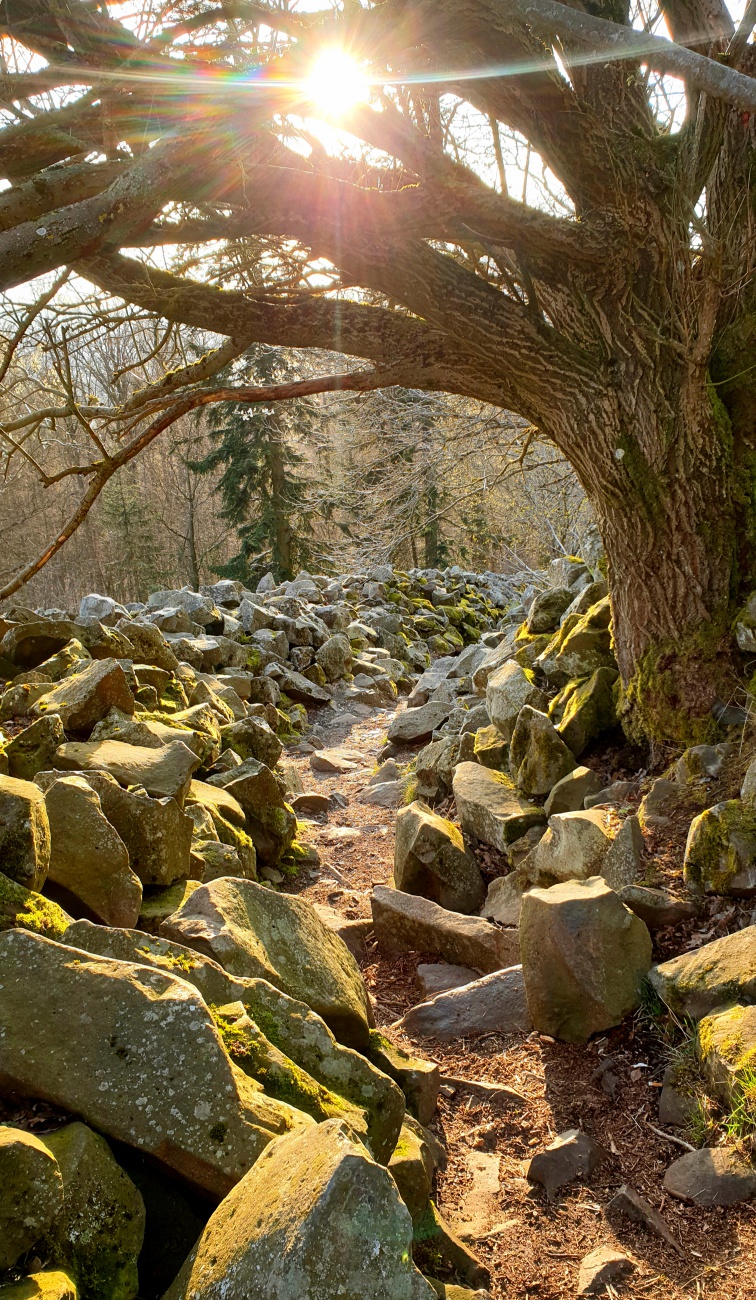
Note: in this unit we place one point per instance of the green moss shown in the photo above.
(669, 696)
(22, 909)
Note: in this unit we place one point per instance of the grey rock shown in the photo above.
(489, 807)
(430, 859)
(572, 1154)
(713, 1176)
(494, 1004)
(406, 923)
(415, 725)
(569, 794)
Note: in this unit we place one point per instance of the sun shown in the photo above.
(336, 83)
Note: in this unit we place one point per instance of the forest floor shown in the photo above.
(531, 1247)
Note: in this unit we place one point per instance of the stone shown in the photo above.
(655, 906)
(631, 1205)
(149, 733)
(624, 861)
(489, 807)
(434, 768)
(726, 1048)
(389, 794)
(133, 1051)
(267, 817)
(659, 804)
(589, 710)
(601, 1267)
(24, 833)
(252, 931)
(584, 958)
(31, 1192)
(23, 909)
(253, 738)
(49, 1284)
(165, 772)
(314, 1217)
(353, 932)
(156, 832)
(494, 1004)
(572, 1154)
(412, 726)
(18, 700)
(579, 648)
(490, 748)
(720, 853)
(418, 1078)
(406, 923)
(616, 793)
(439, 977)
(713, 1176)
(508, 690)
(27, 645)
(574, 847)
(702, 762)
(33, 749)
(201, 609)
(334, 762)
(211, 860)
(430, 859)
(335, 656)
(82, 700)
(718, 973)
(301, 689)
(568, 795)
(504, 898)
(490, 662)
(538, 757)
(547, 609)
(97, 1235)
(88, 858)
(288, 1024)
(150, 645)
(217, 802)
(411, 1166)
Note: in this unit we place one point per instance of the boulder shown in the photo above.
(150, 646)
(216, 802)
(24, 833)
(412, 726)
(412, 1167)
(489, 807)
(588, 709)
(252, 931)
(718, 973)
(726, 1048)
(660, 803)
(288, 1024)
(201, 609)
(33, 749)
(31, 1192)
(702, 763)
(335, 762)
(165, 772)
(713, 1176)
(508, 690)
(210, 860)
(584, 958)
(568, 795)
(406, 923)
(82, 700)
(268, 818)
(572, 1154)
(490, 748)
(152, 733)
(88, 858)
(253, 738)
(439, 977)
(624, 861)
(335, 656)
(389, 794)
(98, 1233)
(720, 853)
(579, 647)
(315, 1217)
(504, 898)
(434, 768)
(418, 1078)
(547, 609)
(574, 847)
(133, 1051)
(430, 860)
(655, 906)
(301, 689)
(490, 662)
(22, 909)
(156, 832)
(538, 757)
(494, 1004)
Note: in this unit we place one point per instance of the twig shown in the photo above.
(670, 1138)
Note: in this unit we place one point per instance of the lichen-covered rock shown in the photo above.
(133, 1051)
(268, 818)
(315, 1218)
(720, 853)
(97, 1235)
(162, 772)
(588, 710)
(568, 795)
(584, 958)
(702, 763)
(24, 833)
(538, 757)
(22, 909)
(31, 1192)
(159, 904)
(253, 738)
(411, 1167)
(33, 749)
(211, 860)
(494, 1003)
(508, 690)
(430, 859)
(82, 700)
(504, 898)
(415, 725)
(695, 983)
(490, 748)
(335, 656)
(726, 1048)
(574, 847)
(252, 931)
(406, 923)
(434, 768)
(49, 1284)
(88, 858)
(156, 832)
(547, 609)
(579, 647)
(418, 1078)
(149, 644)
(490, 808)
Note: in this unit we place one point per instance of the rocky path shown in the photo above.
(609, 1088)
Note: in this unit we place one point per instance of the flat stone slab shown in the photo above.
(494, 1004)
(407, 923)
(166, 771)
(490, 808)
(721, 972)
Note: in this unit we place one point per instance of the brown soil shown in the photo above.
(533, 1248)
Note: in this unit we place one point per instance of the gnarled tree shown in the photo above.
(622, 327)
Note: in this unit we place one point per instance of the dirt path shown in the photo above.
(532, 1248)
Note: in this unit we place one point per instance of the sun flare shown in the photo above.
(335, 83)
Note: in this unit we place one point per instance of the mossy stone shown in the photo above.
(720, 853)
(31, 1192)
(589, 710)
(22, 909)
(726, 1048)
(49, 1284)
